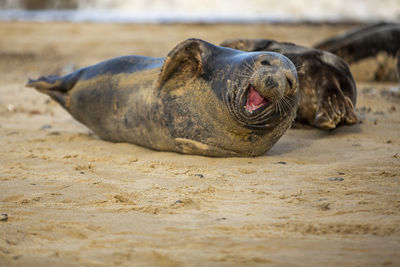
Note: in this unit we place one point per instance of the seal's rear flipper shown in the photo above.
(54, 86)
(188, 146)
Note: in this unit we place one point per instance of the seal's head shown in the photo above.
(260, 89)
(264, 89)
(242, 101)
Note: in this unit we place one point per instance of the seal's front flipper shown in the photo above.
(189, 146)
(334, 109)
(54, 86)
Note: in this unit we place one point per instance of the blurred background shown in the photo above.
(204, 11)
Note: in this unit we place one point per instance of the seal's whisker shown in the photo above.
(244, 75)
(246, 65)
(283, 102)
(251, 68)
(254, 63)
(279, 102)
(282, 109)
(287, 100)
(286, 105)
(278, 107)
(290, 100)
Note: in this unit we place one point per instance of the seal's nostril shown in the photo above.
(289, 81)
(270, 82)
(265, 63)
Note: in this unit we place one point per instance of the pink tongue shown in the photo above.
(254, 100)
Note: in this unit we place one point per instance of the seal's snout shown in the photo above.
(270, 82)
(266, 90)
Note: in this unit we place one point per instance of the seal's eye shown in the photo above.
(265, 63)
(289, 81)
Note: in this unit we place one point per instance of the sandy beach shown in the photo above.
(316, 199)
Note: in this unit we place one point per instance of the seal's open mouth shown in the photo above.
(254, 100)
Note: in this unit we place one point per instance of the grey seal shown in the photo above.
(200, 99)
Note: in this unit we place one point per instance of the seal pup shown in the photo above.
(379, 41)
(200, 99)
(327, 89)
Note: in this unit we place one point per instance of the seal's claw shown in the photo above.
(351, 117)
(323, 121)
(334, 110)
(336, 94)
